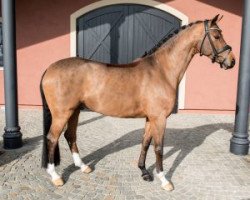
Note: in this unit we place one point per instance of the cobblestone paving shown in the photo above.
(196, 158)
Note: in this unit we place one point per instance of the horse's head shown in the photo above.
(214, 46)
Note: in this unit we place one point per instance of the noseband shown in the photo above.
(216, 53)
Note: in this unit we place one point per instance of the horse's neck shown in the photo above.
(177, 54)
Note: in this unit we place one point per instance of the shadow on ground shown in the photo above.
(181, 140)
(29, 144)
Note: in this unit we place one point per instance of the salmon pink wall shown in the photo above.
(43, 36)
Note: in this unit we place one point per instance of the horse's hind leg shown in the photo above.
(144, 149)
(58, 123)
(70, 135)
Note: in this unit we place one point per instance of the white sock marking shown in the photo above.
(51, 171)
(163, 179)
(78, 161)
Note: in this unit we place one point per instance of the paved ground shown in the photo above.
(196, 158)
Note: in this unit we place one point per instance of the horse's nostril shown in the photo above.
(233, 62)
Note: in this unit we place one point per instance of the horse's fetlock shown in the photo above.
(141, 166)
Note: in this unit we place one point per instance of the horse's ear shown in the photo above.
(215, 19)
(218, 20)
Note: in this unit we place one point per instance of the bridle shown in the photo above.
(216, 52)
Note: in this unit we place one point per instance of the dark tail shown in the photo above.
(47, 119)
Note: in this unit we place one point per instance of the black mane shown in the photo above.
(166, 38)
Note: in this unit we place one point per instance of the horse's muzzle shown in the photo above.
(231, 65)
(225, 65)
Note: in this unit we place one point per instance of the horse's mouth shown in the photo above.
(224, 66)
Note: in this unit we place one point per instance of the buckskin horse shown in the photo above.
(145, 88)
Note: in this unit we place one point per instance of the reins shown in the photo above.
(216, 52)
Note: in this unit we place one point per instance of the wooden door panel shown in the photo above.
(121, 33)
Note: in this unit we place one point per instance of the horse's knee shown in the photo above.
(159, 150)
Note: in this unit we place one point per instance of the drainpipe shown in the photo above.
(12, 137)
(239, 143)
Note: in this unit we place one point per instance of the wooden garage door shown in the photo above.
(119, 34)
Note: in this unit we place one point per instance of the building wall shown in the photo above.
(43, 37)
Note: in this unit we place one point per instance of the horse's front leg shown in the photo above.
(157, 130)
(144, 149)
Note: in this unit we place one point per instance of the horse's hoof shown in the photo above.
(87, 170)
(147, 177)
(168, 187)
(58, 182)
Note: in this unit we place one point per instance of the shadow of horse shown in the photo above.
(181, 140)
(90, 120)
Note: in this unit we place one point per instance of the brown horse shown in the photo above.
(145, 88)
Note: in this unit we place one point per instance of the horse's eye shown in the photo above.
(217, 37)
